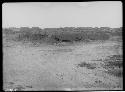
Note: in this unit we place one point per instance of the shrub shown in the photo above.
(87, 65)
(113, 65)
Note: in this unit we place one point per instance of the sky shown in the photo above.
(62, 14)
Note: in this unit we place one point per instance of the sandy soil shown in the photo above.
(48, 67)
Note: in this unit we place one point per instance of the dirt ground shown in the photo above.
(52, 67)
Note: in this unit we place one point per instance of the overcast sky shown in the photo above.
(55, 14)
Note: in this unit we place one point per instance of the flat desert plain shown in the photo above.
(81, 66)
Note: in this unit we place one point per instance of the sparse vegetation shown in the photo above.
(87, 65)
(63, 62)
(67, 34)
(19, 88)
(113, 65)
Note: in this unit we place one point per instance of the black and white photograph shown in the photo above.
(53, 46)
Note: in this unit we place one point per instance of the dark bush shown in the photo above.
(87, 65)
(37, 36)
(71, 34)
(114, 64)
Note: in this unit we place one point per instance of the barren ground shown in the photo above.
(49, 67)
